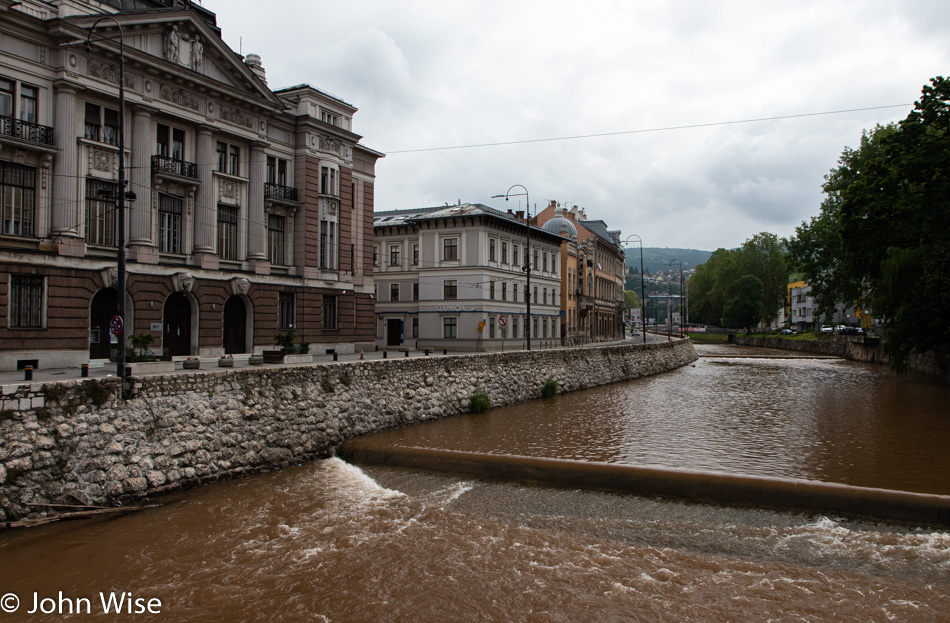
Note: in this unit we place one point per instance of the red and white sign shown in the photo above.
(502, 321)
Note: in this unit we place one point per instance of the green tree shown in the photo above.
(744, 308)
(763, 255)
(888, 202)
(631, 300)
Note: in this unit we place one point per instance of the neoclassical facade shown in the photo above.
(594, 287)
(248, 211)
(452, 277)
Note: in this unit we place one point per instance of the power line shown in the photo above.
(645, 131)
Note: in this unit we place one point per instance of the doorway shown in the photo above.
(235, 326)
(176, 336)
(105, 305)
(393, 332)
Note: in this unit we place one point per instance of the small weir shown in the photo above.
(695, 486)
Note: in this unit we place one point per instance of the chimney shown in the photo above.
(573, 213)
(520, 215)
(253, 61)
(510, 212)
(583, 214)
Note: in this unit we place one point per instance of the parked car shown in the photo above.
(788, 331)
(826, 329)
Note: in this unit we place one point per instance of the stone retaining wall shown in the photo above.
(75, 440)
(853, 348)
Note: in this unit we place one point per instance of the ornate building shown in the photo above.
(249, 211)
(598, 284)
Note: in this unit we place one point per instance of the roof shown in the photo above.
(393, 218)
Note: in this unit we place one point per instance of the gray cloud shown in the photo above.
(434, 74)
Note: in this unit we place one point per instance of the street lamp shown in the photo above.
(670, 263)
(643, 305)
(527, 254)
(118, 322)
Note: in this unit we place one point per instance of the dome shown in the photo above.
(558, 224)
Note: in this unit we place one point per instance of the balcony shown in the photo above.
(280, 193)
(33, 132)
(171, 166)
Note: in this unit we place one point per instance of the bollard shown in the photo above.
(427, 352)
(445, 351)
(84, 370)
(336, 356)
(27, 373)
(407, 352)
(385, 354)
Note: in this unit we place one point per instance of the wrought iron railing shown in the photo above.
(33, 132)
(276, 191)
(164, 164)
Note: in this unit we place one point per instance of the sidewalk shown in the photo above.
(210, 364)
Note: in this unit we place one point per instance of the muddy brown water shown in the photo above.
(328, 541)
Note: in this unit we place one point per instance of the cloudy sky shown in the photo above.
(663, 83)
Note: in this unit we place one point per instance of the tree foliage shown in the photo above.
(743, 309)
(631, 300)
(714, 283)
(883, 235)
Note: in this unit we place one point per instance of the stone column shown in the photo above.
(256, 219)
(66, 220)
(205, 208)
(142, 247)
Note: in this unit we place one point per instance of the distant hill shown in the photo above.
(656, 259)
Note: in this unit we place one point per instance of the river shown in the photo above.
(328, 541)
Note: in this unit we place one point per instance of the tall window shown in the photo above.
(415, 327)
(515, 258)
(544, 257)
(329, 117)
(534, 265)
(6, 97)
(275, 239)
(394, 250)
(17, 195)
(491, 290)
(229, 158)
(450, 328)
(26, 301)
(450, 289)
(415, 254)
(329, 312)
(415, 291)
(491, 327)
(276, 171)
(169, 223)
(28, 103)
(286, 310)
(328, 246)
(514, 327)
(491, 249)
(102, 124)
(329, 183)
(227, 232)
(375, 256)
(450, 249)
(170, 142)
(394, 292)
(535, 299)
(504, 252)
(514, 292)
(504, 291)
(100, 212)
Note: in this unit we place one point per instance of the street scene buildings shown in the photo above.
(248, 211)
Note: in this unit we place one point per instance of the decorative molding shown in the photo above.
(178, 96)
(228, 189)
(240, 285)
(108, 72)
(101, 160)
(184, 282)
(235, 116)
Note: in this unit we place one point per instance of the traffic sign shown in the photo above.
(116, 325)
(502, 321)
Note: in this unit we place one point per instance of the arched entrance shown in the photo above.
(235, 326)
(176, 336)
(104, 306)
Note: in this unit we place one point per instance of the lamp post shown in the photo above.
(527, 254)
(670, 263)
(119, 320)
(643, 305)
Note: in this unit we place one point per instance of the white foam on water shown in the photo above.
(352, 479)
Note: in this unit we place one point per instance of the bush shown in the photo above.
(550, 388)
(480, 402)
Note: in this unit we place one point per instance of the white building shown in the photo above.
(452, 277)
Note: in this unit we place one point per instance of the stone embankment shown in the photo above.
(853, 348)
(75, 442)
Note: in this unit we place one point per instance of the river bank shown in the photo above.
(76, 442)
